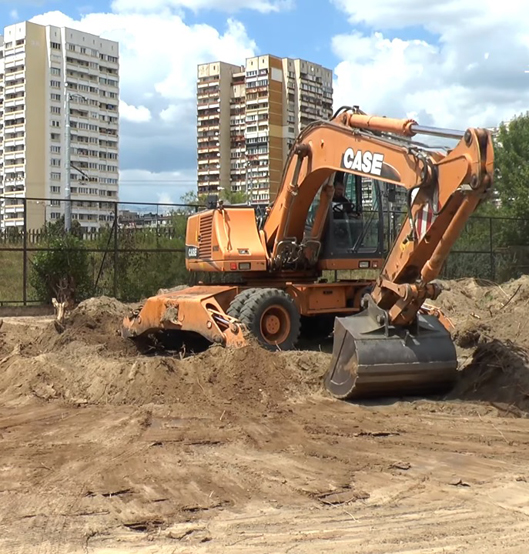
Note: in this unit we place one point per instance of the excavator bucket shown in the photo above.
(373, 359)
(191, 312)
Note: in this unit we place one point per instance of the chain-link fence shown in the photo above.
(130, 250)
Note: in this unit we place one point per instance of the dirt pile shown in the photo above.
(497, 372)
(95, 321)
(492, 337)
(90, 363)
(472, 300)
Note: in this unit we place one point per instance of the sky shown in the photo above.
(449, 63)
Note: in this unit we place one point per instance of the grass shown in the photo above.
(11, 276)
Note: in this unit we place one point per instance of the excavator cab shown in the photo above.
(352, 230)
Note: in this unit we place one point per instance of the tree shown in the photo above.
(509, 208)
(512, 165)
(233, 197)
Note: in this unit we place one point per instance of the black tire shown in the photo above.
(238, 302)
(278, 309)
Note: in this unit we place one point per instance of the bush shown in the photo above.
(67, 262)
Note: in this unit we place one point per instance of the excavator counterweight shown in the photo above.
(388, 339)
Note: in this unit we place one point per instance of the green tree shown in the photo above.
(233, 197)
(509, 208)
(67, 262)
(512, 166)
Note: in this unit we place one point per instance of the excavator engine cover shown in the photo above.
(372, 359)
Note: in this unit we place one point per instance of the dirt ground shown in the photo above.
(107, 451)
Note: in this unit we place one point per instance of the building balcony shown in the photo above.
(14, 210)
(208, 84)
(14, 193)
(14, 102)
(207, 105)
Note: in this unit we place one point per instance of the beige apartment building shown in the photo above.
(39, 66)
(249, 116)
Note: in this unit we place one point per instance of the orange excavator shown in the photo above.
(387, 341)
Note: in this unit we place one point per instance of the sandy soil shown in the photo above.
(107, 451)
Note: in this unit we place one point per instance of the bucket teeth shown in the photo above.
(372, 360)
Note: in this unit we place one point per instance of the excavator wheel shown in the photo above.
(272, 317)
(234, 309)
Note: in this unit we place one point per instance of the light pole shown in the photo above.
(67, 165)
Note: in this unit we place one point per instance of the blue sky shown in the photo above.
(304, 31)
(450, 64)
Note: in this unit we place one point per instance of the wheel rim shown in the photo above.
(275, 325)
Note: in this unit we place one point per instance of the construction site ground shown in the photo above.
(107, 451)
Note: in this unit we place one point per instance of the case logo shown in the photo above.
(191, 252)
(366, 162)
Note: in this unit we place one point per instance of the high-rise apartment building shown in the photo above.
(39, 66)
(249, 116)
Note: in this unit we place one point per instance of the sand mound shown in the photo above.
(89, 362)
(467, 299)
(492, 338)
(96, 321)
(498, 372)
(249, 377)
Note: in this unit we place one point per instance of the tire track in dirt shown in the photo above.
(105, 451)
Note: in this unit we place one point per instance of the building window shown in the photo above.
(55, 123)
(55, 96)
(55, 70)
(54, 188)
(55, 149)
(55, 45)
(56, 162)
(55, 84)
(55, 109)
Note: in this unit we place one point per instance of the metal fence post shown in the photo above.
(491, 246)
(25, 255)
(116, 256)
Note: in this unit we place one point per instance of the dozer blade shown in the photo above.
(194, 310)
(370, 359)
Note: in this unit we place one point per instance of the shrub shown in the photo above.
(67, 262)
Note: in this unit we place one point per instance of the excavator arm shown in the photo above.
(392, 346)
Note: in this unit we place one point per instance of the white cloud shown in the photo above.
(166, 187)
(263, 6)
(159, 54)
(136, 114)
(470, 70)
(13, 14)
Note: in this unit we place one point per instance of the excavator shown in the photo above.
(387, 340)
